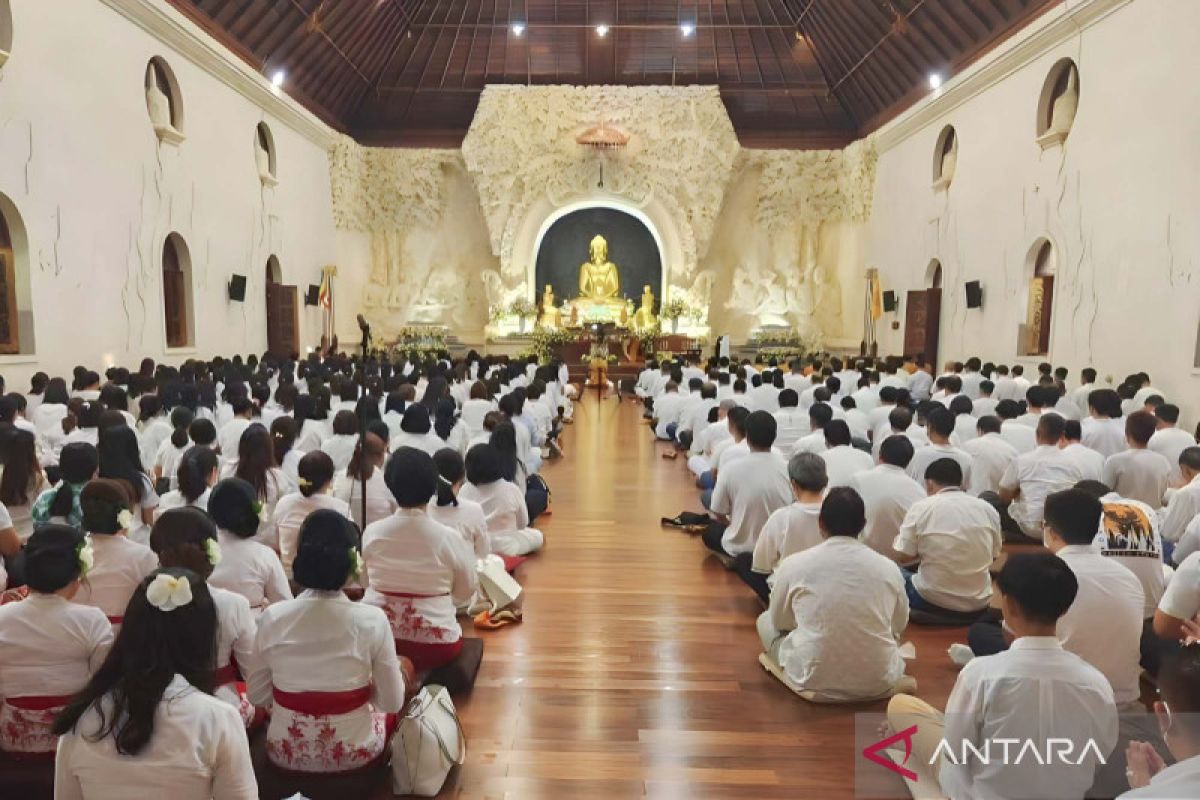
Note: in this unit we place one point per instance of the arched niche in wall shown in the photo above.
(933, 275)
(164, 102)
(16, 308)
(945, 158)
(178, 317)
(264, 154)
(1058, 103)
(1040, 266)
(6, 31)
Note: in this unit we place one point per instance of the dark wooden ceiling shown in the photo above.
(792, 73)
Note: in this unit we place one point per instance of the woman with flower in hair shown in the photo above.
(326, 665)
(146, 724)
(49, 646)
(121, 563)
(197, 473)
(187, 538)
(247, 566)
(316, 482)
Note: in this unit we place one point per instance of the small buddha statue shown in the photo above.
(644, 318)
(598, 278)
(550, 316)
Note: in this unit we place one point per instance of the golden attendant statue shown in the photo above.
(550, 316)
(644, 319)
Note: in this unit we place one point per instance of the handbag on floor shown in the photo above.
(428, 744)
(496, 584)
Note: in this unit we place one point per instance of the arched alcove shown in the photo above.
(164, 102)
(1058, 103)
(264, 154)
(933, 274)
(634, 245)
(1040, 267)
(945, 158)
(16, 309)
(179, 319)
(6, 31)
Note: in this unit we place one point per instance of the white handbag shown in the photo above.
(496, 584)
(427, 745)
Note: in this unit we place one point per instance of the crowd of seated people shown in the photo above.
(857, 498)
(275, 547)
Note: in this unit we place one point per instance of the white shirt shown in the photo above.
(1176, 782)
(1106, 436)
(810, 443)
(1089, 463)
(290, 513)
(924, 456)
(1019, 436)
(844, 462)
(1140, 475)
(1104, 624)
(748, 491)
(250, 569)
(1170, 444)
(957, 537)
(842, 607)
(667, 409)
(175, 499)
(468, 519)
(120, 566)
(1037, 475)
(473, 412)
(1182, 598)
(1129, 535)
(990, 457)
(340, 449)
(1032, 691)
(1181, 510)
(789, 530)
(504, 510)
(380, 501)
(790, 424)
(49, 646)
(198, 751)
(429, 442)
(887, 493)
(729, 451)
(230, 436)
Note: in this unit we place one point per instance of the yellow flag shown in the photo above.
(876, 297)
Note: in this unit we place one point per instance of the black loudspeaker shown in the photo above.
(313, 296)
(974, 294)
(237, 288)
(889, 301)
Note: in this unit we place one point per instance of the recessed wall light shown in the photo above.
(602, 31)
(518, 28)
(935, 80)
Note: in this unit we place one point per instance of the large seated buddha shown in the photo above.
(599, 286)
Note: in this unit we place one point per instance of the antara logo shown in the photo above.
(874, 753)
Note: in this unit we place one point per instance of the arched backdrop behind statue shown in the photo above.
(631, 246)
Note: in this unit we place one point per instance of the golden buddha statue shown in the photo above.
(549, 316)
(644, 319)
(598, 276)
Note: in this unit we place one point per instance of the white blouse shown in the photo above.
(198, 751)
(278, 485)
(290, 514)
(340, 448)
(380, 502)
(251, 569)
(175, 499)
(50, 646)
(468, 519)
(429, 442)
(120, 566)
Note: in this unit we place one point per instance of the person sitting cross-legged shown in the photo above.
(1178, 713)
(1035, 690)
(1029, 479)
(837, 611)
(956, 537)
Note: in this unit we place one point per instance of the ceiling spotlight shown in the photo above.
(278, 77)
(602, 31)
(518, 29)
(935, 80)
(687, 29)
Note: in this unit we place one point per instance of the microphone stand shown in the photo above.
(362, 425)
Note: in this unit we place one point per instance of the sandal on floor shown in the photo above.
(671, 455)
(489, 621)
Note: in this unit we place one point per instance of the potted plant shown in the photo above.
(672, 310)
(522, 308)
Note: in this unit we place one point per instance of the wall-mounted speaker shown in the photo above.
(974, 294)
(889, 301)
(237, 288)
(313, 295)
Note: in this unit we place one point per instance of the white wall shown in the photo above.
(1120, 200)
(98, 194)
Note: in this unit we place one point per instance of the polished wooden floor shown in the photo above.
(635, 672)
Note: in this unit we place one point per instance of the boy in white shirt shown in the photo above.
(985, 405)
(1168, 440)
(1029, 479)
(1138, 473)
(940, 427)
(888, 493)
(1033, 691)
(1104, 431)
(842, 459)
(1089, 463)
(790, 529)
(666, 411)
(1185, 502)
(1178, 713)
(747, 492)
(792, 422)
(1019, 436)
(990, 456)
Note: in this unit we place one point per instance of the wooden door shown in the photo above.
(282, 321)
(10, 339)
(922, 324)
(1043, 331)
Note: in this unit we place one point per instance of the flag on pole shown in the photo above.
(876, 296)
(325, 295)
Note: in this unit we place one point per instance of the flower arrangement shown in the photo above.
(420, 337)
(522, 307)
(546, 341)
(785, 344)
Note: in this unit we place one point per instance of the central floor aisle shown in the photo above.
(635, 672)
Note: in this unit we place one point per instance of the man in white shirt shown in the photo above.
(1019, 436)
(1138, 473)
(972, 378)
(1104, 431)
(790, 529)
(747, 492)
(791, 421)
(866, 397)
(1034, 691)
(1006, 387)
(990, 456)
(667, 408)
(842, 459)
(1035, 406)
(644, 388)
(1178, 712)
(1184, 504)
(1088, 461)
(819, 415)
(888, 493)
(1168, 440)
(1079, 396)
(1029, 479)
(796, 380)
(877, 417)
(956, 537)
(939, 426)
(693, 417)
(920, 382)
(837, 612)
(985, 405)
(764, 396)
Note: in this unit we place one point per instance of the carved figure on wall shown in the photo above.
(1066, 103)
